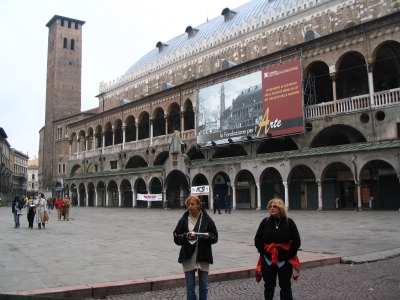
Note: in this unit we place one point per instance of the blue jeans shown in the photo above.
(228, 208)
(16, 219)
(284, 273)
(191, 283)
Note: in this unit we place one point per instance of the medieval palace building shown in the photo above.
(276, 98)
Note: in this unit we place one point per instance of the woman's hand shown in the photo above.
(206, 236)
(191, 235)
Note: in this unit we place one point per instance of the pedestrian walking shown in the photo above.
(49, 203)
(41, 208)
(228, 203)
(277, 240)
(216, 204)
(16, 207)
(195, 233)
(59, 203)
(30, 211)
(66, 206)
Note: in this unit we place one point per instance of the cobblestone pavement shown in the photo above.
(377, 280)
(107, 246)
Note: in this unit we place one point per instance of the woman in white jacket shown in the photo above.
(41, 208)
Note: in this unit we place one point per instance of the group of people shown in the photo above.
(277, 241)
(62, 206)
(228, 203)
(38, 206)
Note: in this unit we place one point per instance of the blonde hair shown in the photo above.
(278, 202)
(193, 198)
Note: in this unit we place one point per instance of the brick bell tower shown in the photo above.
(63, 85)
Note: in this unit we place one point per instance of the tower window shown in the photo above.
(65, 43)
(62, 23)
(69, 24)
(76, 25)
(72, 44)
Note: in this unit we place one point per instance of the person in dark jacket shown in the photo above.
(16, 207)
(195, 233)
(216, 204)
(31, 210)
(277, 234)
(228, 203)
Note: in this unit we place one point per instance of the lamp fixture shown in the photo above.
(213, 143)
(230, 141)
(249, 138)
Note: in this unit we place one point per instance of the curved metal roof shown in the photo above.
(244, 15)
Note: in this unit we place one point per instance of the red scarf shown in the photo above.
(271, 248)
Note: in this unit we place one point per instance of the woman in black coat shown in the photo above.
(195, 233)
(31, 211)
(278, 240)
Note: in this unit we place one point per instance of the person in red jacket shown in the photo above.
(59, 206)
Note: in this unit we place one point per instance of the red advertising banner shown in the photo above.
(282, 100)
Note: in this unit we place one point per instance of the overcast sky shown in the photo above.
(117, 33)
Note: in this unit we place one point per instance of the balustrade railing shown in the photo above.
(352, 104)
(112, 149)
(387, 97)
(188, 134)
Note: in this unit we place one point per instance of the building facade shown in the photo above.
(20, 173)
(33, 180)
(5, 171)
(147, 137)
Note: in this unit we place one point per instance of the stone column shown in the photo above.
(123, 135)
(104, 138)
(70, 146)
(233, 197)
(119, 197)
(87, 198)
(151, 131)
(371, 81)
(211, 197)
(286, 185)
(106, 196)
(113, 139)
(134, 201)
(77, 145)
(164, 192)
(137, 130)
(166, 125)
(319, 195)
(86, 143)
(258, 196)
(182, 120)
(358, 183)
(333, 78)
(195, 117)
(95, 197)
